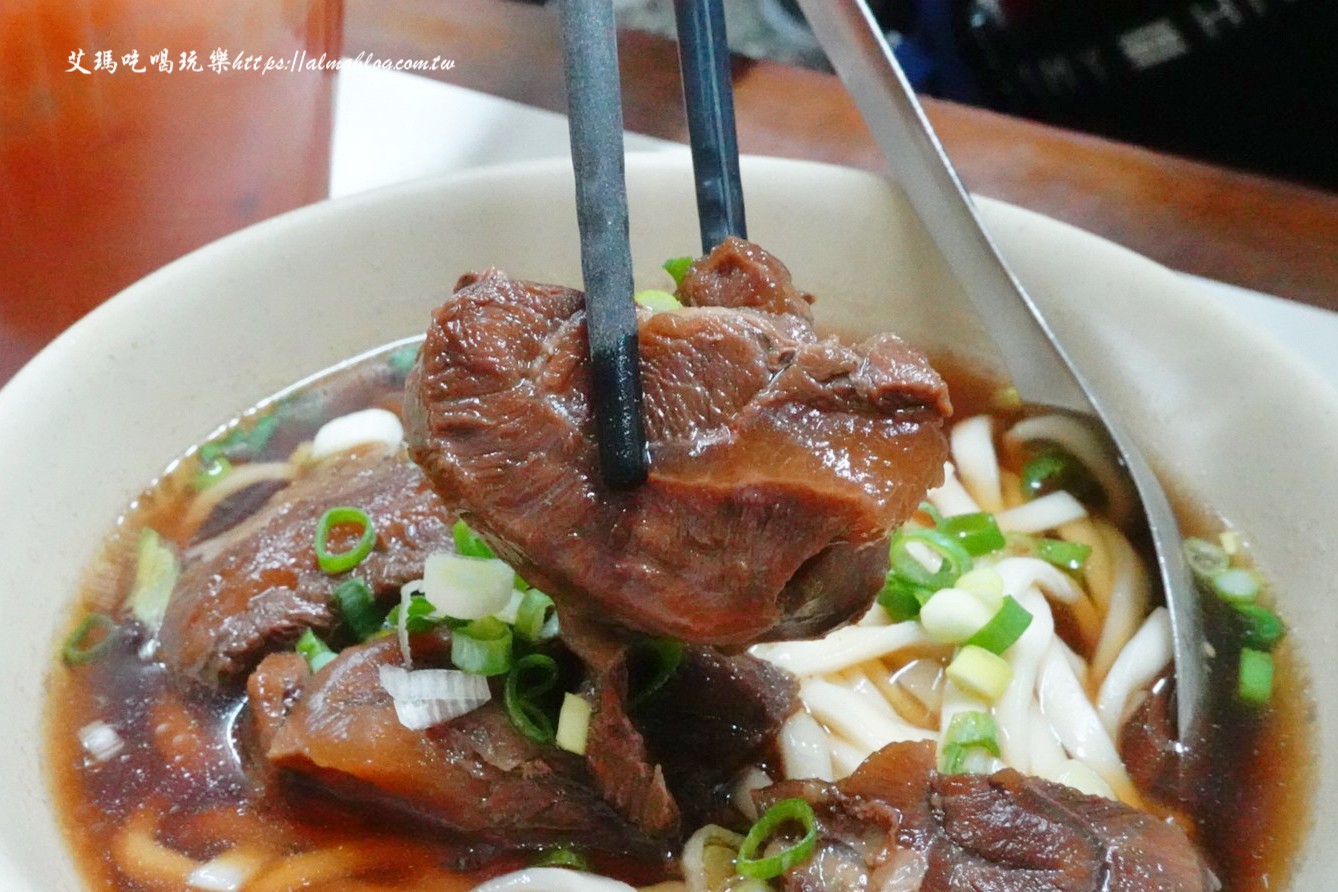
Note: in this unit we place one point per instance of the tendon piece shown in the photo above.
(475, 774)
(999, 832)
(779, 462)
(260, 586)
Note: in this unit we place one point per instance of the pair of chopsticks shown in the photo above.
(590, 57)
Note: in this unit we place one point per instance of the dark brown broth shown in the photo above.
(181, 758)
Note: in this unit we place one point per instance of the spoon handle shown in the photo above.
(1029, 349)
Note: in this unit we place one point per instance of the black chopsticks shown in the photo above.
(703, 55)
(595, 118)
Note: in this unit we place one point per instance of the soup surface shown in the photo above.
(156, 780)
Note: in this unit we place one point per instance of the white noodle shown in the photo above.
(356, 429)
(858, 681)
(846, 757)
(1129, 597)
(1022, 573)
(552, 879)
(977, 465)
(1046, 513)
(1141, 660)
(229, 872)
(951, 498)
(845, 712)
(1012, 713)
(1047, 754)
(1096, 573)
(1081, 777)
(741, 795)
(1078, 439)
(841, 649)
(1074, 719)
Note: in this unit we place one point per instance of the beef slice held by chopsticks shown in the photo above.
(779, 461)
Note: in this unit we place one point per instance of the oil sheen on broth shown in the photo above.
(172, 789)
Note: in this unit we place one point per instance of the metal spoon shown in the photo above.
(1040, 368)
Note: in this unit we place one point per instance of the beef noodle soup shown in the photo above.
(291, 667)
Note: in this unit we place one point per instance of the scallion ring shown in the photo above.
(1004, 628)
(482, 647)
(530, 678)
(955, 559)
(536, 617)
(469, 543)
(767, 867)
(343, 561)
(89, 640)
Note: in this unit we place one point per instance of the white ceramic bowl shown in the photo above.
(1231, 416)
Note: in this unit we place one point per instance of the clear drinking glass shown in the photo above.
(133, 131)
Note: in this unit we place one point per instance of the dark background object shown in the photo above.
(1243, 83)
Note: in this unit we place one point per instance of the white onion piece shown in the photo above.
(1146, 655)
(950, 497)
(1046, 513)
(842, 649)
(552, 879)
(427, 697)
(101, 741)
(467, 587)
(356, 429)
(805, 751)
(977, 465)
(229, 872)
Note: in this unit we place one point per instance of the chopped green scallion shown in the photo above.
(357, 608)
(156, 572)
(343, 561)
(1205, 559)
(568, 858)
(468, 542)
(316, 651)
(1003, 631)
(1053, 468)
(210, 473)
(657, 301)
(979, 672)
(660, 658)
(482, 647)
(1255, 682)
(422, 616)
(241, 444)
(401, 359)
(787, 811)
(954, 558)
(901, 599)
(1236, 585)
(89, 640)
(968, 731)
(978, 533)
(677, 268)
(1070, 556)
(1263, 628)
(529, 679)
(536, 617)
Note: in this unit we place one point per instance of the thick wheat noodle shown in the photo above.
(141, 858)
(333, 863)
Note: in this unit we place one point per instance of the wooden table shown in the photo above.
(1247, 230)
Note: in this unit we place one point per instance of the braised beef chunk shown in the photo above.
(779, 461)
(999, 833)
(261, 586)
(475, 774)
(740, 274)
(711, 719)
